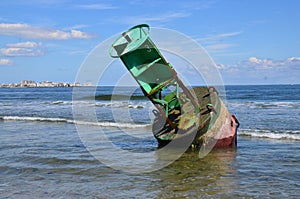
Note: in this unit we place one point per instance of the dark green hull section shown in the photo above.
(215, 124)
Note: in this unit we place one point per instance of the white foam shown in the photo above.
(284, 135)
(110, 124)
(280, 104)
(101, 124)
(26, 118)
(58, 102)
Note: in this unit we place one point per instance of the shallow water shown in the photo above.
(42, 155)
(49, 161)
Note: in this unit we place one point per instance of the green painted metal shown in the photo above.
(152, 72)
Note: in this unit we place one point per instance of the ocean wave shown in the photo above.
(265, 105)
(114, 104)
(28, 118)
(278, 135)
(64, 120)
(111, 124)
(58, 102)
(109, 97)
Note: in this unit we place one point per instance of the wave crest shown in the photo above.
(266, 105)
(100, 123)
(278, 135)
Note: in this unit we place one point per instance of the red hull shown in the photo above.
(230, 137)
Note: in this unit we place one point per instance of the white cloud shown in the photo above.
(99, 6)
(216, 43)
(254, 60)
(220, 66)
(256, 70)
(35, 32)
(217, 37)
(230, 34)
(257, 64)
(28, 48)
(294, 59)
(262, 62)
(5, 62)
(269, 63)
(20, 52)
(79, 34)
(28, 44)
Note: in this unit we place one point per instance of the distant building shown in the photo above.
(77, 84)
(45, 84)
(31, 83)
(28, 83)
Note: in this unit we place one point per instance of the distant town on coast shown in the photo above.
(33, 84)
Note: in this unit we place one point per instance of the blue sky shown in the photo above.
(252, 42)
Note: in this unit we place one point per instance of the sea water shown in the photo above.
(43, 153)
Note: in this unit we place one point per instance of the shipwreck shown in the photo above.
(178, 109)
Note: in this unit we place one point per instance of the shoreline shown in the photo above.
(43, 84)
(19, 87)
(90, 85)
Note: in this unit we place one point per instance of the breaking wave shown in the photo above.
(278, 135)
(58, 102)
(266, 105)
(64, 120)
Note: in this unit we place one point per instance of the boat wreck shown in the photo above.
(179, 110)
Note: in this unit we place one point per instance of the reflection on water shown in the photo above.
(192, 177)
